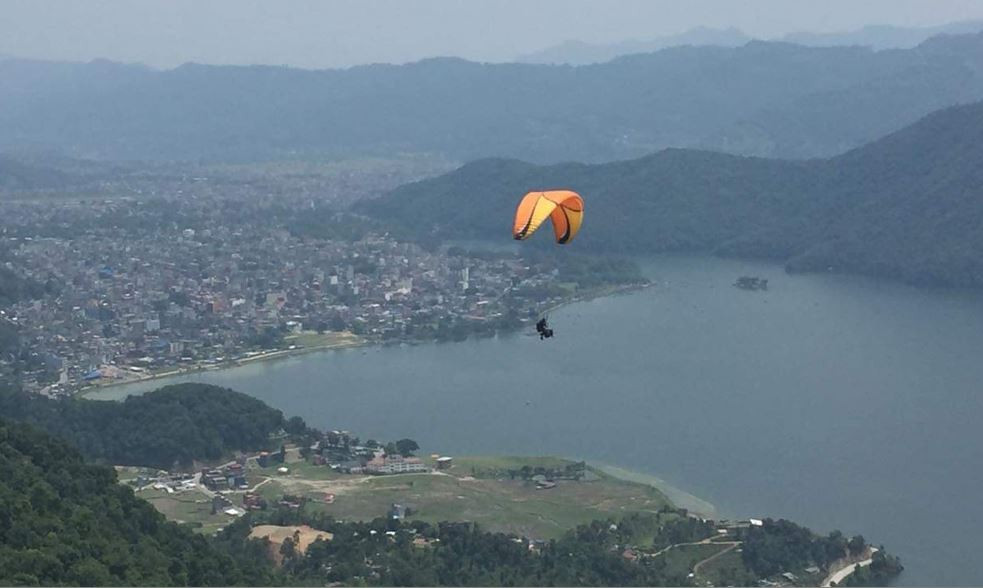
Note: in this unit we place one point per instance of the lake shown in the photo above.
(837, 402)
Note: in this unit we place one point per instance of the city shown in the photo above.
(215, 273)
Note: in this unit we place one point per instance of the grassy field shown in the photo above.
(497, 466)
(496, 503)
(297, 470)
(190, 506)
(476, 489)
(675, 495)
(680, 560)
(726, 570)
(312, 339)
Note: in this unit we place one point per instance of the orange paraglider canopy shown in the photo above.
(564, 207)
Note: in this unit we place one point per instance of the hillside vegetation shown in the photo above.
(762, 98)
(172, 426)
(907, 206)
(66, 523)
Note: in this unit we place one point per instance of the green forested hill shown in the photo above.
(675, 199)
(66, 523)
(174, 425)
(908, 206)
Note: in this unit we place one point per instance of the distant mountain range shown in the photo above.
(763, 98)
(908, 206)
(582, 53)
(884, 36)
(873, 36)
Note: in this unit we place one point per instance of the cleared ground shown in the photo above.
(726, 570)
(328, 339)
(477, 489)
(302, 536)
(680, 560)
(189, 506)
(495, 503)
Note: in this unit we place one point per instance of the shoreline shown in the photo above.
(676, 496)
(356, 342)
(847, 570)
(601, 292)
(262, 356)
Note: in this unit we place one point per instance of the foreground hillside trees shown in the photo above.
(173, 426)
(64, 522)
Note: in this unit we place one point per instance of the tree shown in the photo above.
(76, 525)
(391, 449)
(287, 550)
(179, 424)
(338, 323)
(406, 447)
(295, 426)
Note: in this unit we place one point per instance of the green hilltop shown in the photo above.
(174, 426)
(906, 206)
(64, 522)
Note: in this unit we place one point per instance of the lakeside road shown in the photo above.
(842, 573)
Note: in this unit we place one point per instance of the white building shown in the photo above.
(395, 464)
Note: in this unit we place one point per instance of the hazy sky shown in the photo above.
(338, 33)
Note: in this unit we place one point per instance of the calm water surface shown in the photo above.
(837, 402)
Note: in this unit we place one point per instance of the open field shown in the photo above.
(477, 489)
(326, 340)
(497, 504)
(190, 506)
(495, 466)
(681, 559)
(726, 570)
(302, 536)
(678, 497)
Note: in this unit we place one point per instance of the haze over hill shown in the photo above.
(583, 53)
(321, 34)
(762, 98)
(873, 36)
(907, 206)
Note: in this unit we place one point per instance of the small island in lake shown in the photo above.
(751, 283)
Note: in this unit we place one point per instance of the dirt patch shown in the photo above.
(302, 537)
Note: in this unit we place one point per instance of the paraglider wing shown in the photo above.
(564, 207)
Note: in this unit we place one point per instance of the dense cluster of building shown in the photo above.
(230, 477)
(136, 286)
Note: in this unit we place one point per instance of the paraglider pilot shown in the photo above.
(544, 331)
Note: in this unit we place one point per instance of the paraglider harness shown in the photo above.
(544, 331)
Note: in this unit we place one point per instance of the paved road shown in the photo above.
(841, 574)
